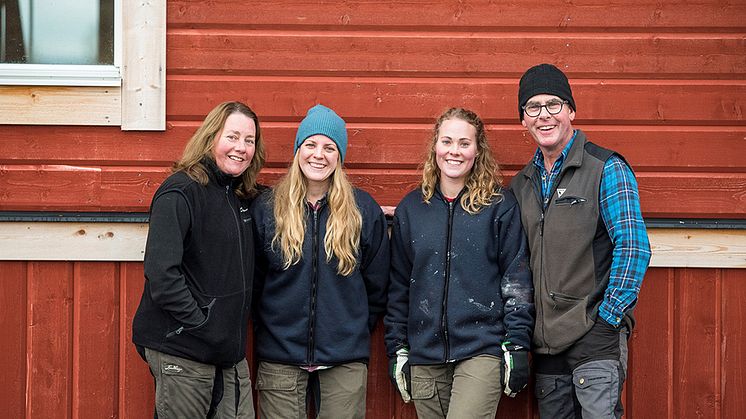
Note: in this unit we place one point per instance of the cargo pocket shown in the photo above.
(269, 379)
(423, 388)
(596, 389)
(545, 386)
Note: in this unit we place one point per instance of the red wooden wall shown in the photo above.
(67, 352)
(661, 81)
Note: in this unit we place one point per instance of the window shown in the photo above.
(57, 32)
(83, 62)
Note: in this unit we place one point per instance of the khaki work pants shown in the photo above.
(184, 388)
(282, 391)
(470, 388)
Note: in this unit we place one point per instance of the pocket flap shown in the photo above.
(589, 378)
(545, 386)
(423, 388)
(269, 380)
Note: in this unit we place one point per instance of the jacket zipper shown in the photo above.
(444, 317)
(314, 283)
(539, 198)
(236, 218)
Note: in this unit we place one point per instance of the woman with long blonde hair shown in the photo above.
(191, 325)
(323, 262)
(460, 306)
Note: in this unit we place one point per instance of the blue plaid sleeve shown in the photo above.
(620, 210)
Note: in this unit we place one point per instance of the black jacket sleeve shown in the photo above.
(374, 247)
(397, 312)
(170, 221)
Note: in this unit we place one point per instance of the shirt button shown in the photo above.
(581, 381)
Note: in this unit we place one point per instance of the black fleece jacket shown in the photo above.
(460, 283)
(199, 262)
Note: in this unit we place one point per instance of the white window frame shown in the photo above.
(130, 93)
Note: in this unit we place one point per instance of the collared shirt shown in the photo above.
(619, 203)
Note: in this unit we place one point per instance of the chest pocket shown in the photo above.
(570, 201)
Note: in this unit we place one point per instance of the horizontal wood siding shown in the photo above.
(663, 83)
(68, 353)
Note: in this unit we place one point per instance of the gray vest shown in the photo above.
(570, 248)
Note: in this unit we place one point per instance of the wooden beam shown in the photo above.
(678, 248)
(144, 66)
(73, 241)
(60, 105)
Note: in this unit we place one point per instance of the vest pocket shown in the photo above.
(566, 320)
(570, 200)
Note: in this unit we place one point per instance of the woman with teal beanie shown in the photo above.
(322, 273)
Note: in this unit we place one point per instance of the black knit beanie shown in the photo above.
(543, 79)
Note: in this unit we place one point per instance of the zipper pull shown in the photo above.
(541, 225)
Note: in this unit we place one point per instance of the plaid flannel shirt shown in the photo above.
(619, 204)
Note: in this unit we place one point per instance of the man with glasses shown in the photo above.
(589, 252)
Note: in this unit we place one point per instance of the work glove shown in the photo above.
(515, 368)
(400, 375)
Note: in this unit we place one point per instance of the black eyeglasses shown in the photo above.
(553, 107)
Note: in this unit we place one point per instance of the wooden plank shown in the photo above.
(95, 340)
(136, 389)
(641, 102)
(697, 249)
(60, 105)
(624, 15)
(73, 241)
(713, 195)
(49, 335)
(38, 188)
(379, 400)
(733, 344)
(683, 248)
(130, 190)
(144, 65)
(484, 54)
(696, 344)
(650, 362)
(13, 309)
(58, 186)
(66, 187)
(373, 145)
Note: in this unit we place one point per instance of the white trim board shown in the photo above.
(679, 248)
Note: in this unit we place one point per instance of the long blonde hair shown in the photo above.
(200, 146)
(342, 239)
(484, 182)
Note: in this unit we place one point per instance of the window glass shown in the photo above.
(57, 32)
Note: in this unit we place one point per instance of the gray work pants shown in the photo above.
(184, 388)
(592, 390)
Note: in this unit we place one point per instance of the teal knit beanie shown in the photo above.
(322, 120)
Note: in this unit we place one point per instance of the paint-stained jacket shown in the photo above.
(460, 282)
(308, 314)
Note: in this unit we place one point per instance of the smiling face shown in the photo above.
(318, 157)
(455, 151)
(234, 146)
(551, 132)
